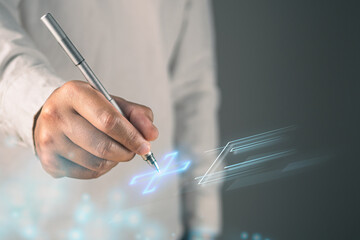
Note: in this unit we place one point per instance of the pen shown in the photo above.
(89, 75)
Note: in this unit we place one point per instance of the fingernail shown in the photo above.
(143, 149)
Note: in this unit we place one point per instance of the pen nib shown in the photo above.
(150, 159)
(157, 167)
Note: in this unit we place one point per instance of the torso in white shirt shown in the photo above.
(128, 44)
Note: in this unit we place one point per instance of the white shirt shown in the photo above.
(157, 53)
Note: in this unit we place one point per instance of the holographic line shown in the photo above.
(153, 175)
(260, 159)
(255, 137)
(215, 149)
(248, 146)
(243, 167)
(213, 175)
(227, 176)
(244, 140)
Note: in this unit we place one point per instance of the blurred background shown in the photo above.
(280, 63)
(292, 63)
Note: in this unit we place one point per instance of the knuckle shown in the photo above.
(45, 139)
(56, 174)
(103, 148)
(96, 174)
(71, 87)
(131, 140)
(46, 162)
(144, 110)
(108, 120)
(112, 165)
(149, 112)
(101, 166)
(154, 134)
(48, 165)
(50, 112)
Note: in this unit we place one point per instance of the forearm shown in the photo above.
(21, 98)
(26, 78)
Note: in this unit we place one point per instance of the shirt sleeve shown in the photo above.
(196, 99)
(26, 78)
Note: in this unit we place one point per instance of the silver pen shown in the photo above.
(89, 75)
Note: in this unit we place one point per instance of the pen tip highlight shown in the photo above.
(157, 167)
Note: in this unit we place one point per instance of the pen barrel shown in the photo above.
(92, 79)
(95, 83)
(71, 51)
(75, 56)
(62, 38)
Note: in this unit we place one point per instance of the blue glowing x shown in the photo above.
(167, 170)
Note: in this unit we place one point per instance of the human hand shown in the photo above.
(79, 134)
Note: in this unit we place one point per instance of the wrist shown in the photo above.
(33, 129)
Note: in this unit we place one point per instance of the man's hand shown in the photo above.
(79, 134)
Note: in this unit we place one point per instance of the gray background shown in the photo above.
(287, 62)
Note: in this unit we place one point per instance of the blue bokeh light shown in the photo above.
(76, 234)
(84, 211)
(133, 218)
(29, 232)
(256, 236)
(244, 235)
